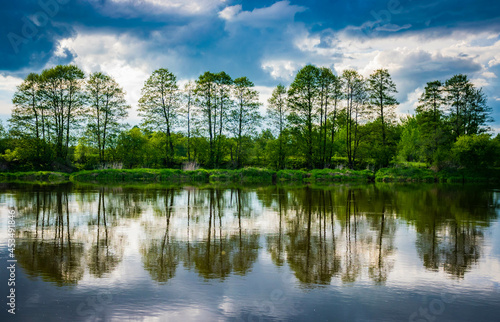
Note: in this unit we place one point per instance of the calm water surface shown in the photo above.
(342, 253)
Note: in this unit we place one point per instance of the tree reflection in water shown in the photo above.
(324, 235)
(49, 251)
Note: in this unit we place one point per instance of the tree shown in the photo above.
(158, 106)
(477, 112)
(64, 99)
(475, 151)
(205, 98)
(335, 96)
(409, 145)
(28, 117)
(277, 113)
(107, 107)
(380, 89)
(329, 90)
(430, 119)
(355, 97)
(223, 84)
(245, 115)
(456, 88)
(188, 96)
(469, 112)
(302, 99)
(132, 140)
(28, 122)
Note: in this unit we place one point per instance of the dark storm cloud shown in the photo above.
(239, 36)
(258, 29)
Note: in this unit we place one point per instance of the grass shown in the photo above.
(255, 176)
(420, 174)
(39, 176)
(336, 175)
(405, 174)
(175, 176)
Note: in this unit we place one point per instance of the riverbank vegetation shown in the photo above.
(327, 127)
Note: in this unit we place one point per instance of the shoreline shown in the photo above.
(256, 176)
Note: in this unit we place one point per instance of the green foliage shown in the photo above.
(330, 175)
(62, 121)
(107, 108)
(409, 145)
(475, 151)
(401, 174)
(158, 106)
(32, 176)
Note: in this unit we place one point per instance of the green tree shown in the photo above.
(133, 141)
(106, 109)
(302, 99)
(329, 94)
(475, 151)
(382, 103)
(188, 99)
(277, 113)
(64, 99)
(28, 114)
(355, 97)
(430, 119)
(223, 83)
(205, 98)
(159, 106)
(409, 145)
(245, 115)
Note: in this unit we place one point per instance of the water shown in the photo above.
(341, 253)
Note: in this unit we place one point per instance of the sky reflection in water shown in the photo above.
(370, 252)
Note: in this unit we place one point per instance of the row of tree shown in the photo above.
(62, 119)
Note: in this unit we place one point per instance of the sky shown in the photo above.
(268, 41)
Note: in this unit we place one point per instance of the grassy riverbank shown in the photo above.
(257, 176)
(241, 176)
(422, 174)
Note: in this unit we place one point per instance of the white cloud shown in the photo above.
(410, 104)
(411, 58)
(229, 13)
(182, 7)
(275, 15)
(281, 69)
(123, 57)
(9, 83)
(7, 89)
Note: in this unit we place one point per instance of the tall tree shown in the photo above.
(456, 88)
(63, 97)
(469, 112)
(28, 114)
(478, 113)
(429, 117)
(223, 84)
(382, 102)
(336, 98)
(188, 98)
(329, 94)
(355, 99)
(302, 99)
(159, 107)
(205, 98)
(277, 114)
(245, 115)
(107, 107)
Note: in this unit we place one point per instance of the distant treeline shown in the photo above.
(65, 120)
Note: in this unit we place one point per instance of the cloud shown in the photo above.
(418, 42)
(281, 69)
(267, 17)
(131, 8)
(8, 83)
